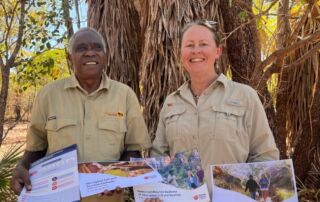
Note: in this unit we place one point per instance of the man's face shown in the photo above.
(87, 56)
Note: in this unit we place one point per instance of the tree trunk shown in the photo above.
(5, 73)
(306, 136)
(67, 18)
(162, 72)
(8, 63)
(243, 48)
(304, 99)
(118, 22)
(283, 34)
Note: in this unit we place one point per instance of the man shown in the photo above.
(252, 185)
(100, 115)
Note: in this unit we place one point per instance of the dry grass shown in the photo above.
(15, 136)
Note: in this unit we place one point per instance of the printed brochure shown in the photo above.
(95, 177)
(183, 179)
(54, 178)
(270, 181)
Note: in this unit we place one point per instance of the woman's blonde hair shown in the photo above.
(210, 25)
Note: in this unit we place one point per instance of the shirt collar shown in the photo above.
(222, 79)
(74, 83)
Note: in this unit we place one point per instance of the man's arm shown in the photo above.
(20, 175)
(137, 138)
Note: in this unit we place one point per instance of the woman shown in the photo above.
(172, 179)
(264, 184)
(224, 120)
(192, 180)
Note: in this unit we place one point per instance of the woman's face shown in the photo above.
(199, 51)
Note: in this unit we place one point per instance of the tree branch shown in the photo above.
(76, 5)
(252, 19)
(13, 125)
(20, 33)
(302, 58)
(284, 51)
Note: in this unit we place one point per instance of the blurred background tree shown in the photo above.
(271, 45)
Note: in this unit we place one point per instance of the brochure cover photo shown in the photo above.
(95, 177)
(54, 178)
(270, 181)
(183, 179)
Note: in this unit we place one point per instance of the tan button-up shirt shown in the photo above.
(103, 123)
(228, 125)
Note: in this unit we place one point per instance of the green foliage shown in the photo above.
(43, 24)
(42, 28)
(266, 25)
(243, 15)
(284, 194)
(7, 164)
(44, 68)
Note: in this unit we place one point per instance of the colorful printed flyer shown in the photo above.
(183, 179)
(95, 177)
(271, 181)
(54, 178)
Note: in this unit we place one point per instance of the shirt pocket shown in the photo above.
(172, 122)
(226, 123)
(111, 137)
(61, 133)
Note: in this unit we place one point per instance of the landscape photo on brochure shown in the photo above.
(182, 170)
(95, 177)
(121, 169)
(182, 179)
(270, 181)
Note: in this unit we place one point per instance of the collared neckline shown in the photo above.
(185, 87)
(73, 82)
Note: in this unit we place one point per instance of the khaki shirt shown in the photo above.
(103, 123)
(228, 125)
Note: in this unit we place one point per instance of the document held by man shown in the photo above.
(54, 178)
(95, 177)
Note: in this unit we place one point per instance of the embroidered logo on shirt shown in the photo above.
(234, 102)
(117, 114)
(52, 118)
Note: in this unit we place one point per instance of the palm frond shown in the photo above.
(8, 162)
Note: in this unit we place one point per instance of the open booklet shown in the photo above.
(270, 181)
(95, 177)
(54, 178)
(183, 179)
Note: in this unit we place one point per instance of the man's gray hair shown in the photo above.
(71, 41)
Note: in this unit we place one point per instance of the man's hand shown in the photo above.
(20, 176)
(19, 179)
